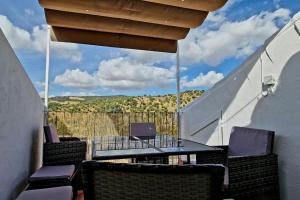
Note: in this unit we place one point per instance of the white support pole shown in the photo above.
(178, 78)
(47, 74)
(178, 88)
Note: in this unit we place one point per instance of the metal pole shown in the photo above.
(178, 89)
(178, 77)
(47, 75)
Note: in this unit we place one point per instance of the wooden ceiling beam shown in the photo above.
(113, 40)
(203, 5)
(113, 25)
(135, 10)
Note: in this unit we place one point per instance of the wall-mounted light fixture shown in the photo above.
(268, 85)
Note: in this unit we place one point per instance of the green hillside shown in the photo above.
(165, 103)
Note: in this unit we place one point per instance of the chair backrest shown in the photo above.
(143, 130)
(104, 181)
(51, 134)
(250, 142)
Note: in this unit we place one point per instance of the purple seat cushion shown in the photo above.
(51, 134)
(53, 172)
(57, 193)
(143, 130)
(250, 142)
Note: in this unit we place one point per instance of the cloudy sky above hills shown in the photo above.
(207, 55)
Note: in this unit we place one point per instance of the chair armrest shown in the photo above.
(244, 162)
(64, 153)
(212, 157)
(251, 176)
(65, 139)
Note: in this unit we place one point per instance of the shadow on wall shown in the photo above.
(33, 163)
(281, 113)
(226, 91)
(36, 154)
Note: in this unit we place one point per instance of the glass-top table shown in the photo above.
(123, 147)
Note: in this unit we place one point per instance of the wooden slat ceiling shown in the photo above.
(154, 25)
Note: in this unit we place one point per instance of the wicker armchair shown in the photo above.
(62, 151)
(62, 158)
(105, 181)
(252, 168)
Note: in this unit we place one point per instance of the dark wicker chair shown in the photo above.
(106, 181)
(62, 151)
(252, 168)
(62, 158)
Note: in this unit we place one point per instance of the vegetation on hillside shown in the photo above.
(164, 103)
(89, 117)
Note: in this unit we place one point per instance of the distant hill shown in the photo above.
(164, 103)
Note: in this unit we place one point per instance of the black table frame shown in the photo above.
(188, 148)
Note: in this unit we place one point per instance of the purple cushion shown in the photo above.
(57, 193)
(249, 142)
(53, 172)
(51, 134)
(143, 130)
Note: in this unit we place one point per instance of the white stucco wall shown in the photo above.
(21, 117)
(239, 98)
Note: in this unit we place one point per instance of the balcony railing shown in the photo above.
(109, 127)
(88, 125)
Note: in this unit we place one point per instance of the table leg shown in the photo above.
(188, 157)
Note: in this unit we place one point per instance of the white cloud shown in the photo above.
(216, 17)
(67, 51)
(77, 79)
(139, 69)
(204, 80)
(121, 73)
(127, 73)
(232, 39)
(214, 20)
(36, 40)
(150, 57)
(78, 94)
(221, 39)
(17, 37)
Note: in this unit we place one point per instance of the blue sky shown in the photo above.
(207, 55)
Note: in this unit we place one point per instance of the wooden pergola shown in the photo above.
(153, 25)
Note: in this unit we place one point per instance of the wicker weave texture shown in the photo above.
(71, 152)
(217, 157)
(129, 186)
(151, 182)
(254, 177)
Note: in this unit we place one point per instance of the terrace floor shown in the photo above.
(80, 195)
